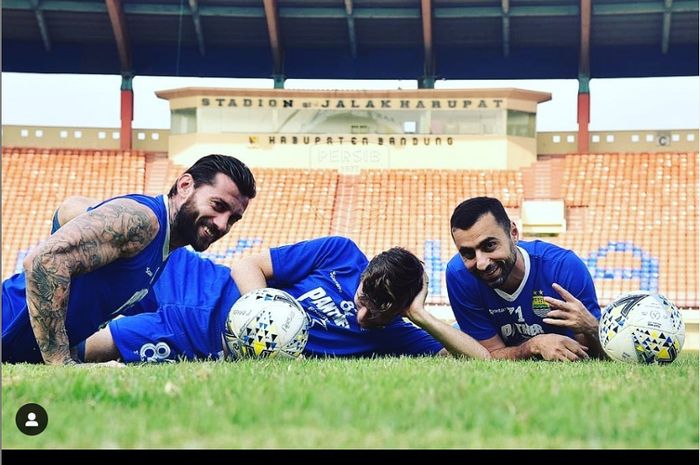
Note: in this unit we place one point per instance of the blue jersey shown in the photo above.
(483, 312)
(95, 297)
(322, 274)
(192, 298)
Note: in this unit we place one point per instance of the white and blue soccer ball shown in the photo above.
(642, 327)
(266, 323)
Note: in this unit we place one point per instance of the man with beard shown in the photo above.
(102, 262)
(519, 299)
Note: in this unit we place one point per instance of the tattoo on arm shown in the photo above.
(120, 228)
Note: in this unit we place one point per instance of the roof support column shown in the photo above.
(583, 116)
(505, 26)
(127, 112)
(194, 9)
(351, 28)
(273, 31)
(279, 80)
(121, 37)
(666, 26)
(41, 22)
(428, 81)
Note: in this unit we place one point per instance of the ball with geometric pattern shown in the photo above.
(266, 323)
(642, 327)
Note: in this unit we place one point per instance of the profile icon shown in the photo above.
(31, 419)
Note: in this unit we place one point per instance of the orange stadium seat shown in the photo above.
(36, 180)
(644, 201)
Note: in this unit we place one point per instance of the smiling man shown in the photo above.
(105, 260)
(519, 299)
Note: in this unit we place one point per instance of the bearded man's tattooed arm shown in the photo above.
(120, 228)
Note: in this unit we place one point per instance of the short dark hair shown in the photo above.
(468, 212)
(392, 279)
(206, 168)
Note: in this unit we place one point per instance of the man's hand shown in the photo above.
(416, 311)
(570, 313)
(557, 347)
(454, 341)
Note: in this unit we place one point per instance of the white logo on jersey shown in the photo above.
(335, 281)
(149, 272)
(154, 353)
(517, 310)
(525, 330)
(325, 305)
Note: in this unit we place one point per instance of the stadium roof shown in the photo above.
(353, 39)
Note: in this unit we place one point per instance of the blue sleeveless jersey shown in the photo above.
(194, 296)
(95, 297)
(483, 312)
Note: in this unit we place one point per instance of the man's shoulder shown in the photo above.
(340, 241)
(555, 262)
(327, 251)
(139, 202)
(340, 246)
(455, 267)
(157, 204)
(546, 250)
(455, 264)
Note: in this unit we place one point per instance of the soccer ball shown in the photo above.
(641, 327)
(266, 323)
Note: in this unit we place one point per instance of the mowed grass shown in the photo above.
(380, 403)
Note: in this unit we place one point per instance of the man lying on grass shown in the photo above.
(519, 299)
(355, 306)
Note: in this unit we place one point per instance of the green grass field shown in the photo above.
(381, 403)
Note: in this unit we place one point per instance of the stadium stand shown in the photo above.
(632, 217)
(412, 208)
(35, 181)
(635, 221)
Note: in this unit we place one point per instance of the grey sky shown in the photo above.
(93, 100)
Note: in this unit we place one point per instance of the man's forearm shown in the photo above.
(455, 341)
(524, 351)
(247, 277)
(47, 302)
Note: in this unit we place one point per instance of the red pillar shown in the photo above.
(583, 118)
(127, 113)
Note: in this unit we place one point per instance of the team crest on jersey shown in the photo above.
(539, 305)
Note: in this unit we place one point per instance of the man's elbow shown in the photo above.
(41, 262)
(30, 260)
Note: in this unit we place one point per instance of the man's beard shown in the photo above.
(186, 227)
(506, 266)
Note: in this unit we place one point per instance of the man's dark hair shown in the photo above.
(468, 212)
(206, 168)
(392, 280)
